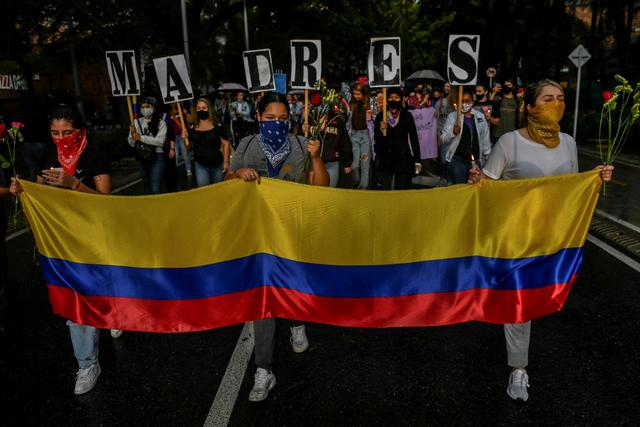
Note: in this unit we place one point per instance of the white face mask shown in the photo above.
(147, 112)
(467, 106)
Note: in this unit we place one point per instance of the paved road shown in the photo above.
(622, 196)
(583, 367)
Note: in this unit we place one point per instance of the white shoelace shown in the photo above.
(261, 379)
(83, 373)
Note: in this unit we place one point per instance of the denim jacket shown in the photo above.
(451, 141)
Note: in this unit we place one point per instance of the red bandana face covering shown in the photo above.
(70, 149)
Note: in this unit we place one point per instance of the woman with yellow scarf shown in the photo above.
(537, 150)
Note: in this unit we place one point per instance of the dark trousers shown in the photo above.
(170, 174)
(264, 332)
(402, 181)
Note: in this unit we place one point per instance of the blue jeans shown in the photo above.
(458, 170)
(206, 175)
(333, 169)
(181, 150)
(153, 173)
(361, 147)
(85, 343)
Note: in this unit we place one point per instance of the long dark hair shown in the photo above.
(65, 112)
(154, 121)
(270, 98)
(362, 89)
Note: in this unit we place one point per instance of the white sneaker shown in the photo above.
(299, 342)
(518, 385)
(86, 379)
(116, 333)
(264, 382)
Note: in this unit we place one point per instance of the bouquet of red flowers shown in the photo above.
(321, 103)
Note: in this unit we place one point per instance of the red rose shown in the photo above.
(3, 131)
(606, 95)
(316, 99)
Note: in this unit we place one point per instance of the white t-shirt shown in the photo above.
(515, 157)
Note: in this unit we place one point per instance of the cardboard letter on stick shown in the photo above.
(462, 64)
(258, 69)
(123, 72)
(306, 63)
(384, 62)
(173, 78)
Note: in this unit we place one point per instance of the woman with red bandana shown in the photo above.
(79, 166)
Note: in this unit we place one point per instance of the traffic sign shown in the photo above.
(580, 56)
(491, 72)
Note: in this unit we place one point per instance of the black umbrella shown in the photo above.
(232, 87)
(425, 76)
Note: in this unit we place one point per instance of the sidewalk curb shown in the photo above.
(616, 234)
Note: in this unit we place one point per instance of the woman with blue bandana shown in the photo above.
(275, 153)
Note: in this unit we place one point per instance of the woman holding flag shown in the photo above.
(76, 165)
(538, 150)
(278, 154)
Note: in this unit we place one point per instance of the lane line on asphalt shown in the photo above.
(26, 229)
(124, 187)
(618, 220)
(227, 394)
(615, 253)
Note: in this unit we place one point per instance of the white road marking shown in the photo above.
(225, 399)
(124, 187)
(614, 252)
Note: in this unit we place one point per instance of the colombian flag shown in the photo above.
(498, 252)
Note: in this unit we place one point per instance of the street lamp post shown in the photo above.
(246, 24)
(185, 33)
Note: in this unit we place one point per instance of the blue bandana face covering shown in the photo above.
(274, 140)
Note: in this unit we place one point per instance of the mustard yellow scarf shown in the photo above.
(543, 123)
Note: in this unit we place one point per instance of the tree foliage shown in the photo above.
(528, 39)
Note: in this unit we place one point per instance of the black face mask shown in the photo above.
(202, 115)
(507, 90)
(394, 105)
(435, 98)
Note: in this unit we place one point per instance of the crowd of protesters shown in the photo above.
(497, 132)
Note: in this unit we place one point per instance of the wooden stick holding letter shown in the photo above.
(384, 109)
(186, 140)
(306, 112)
